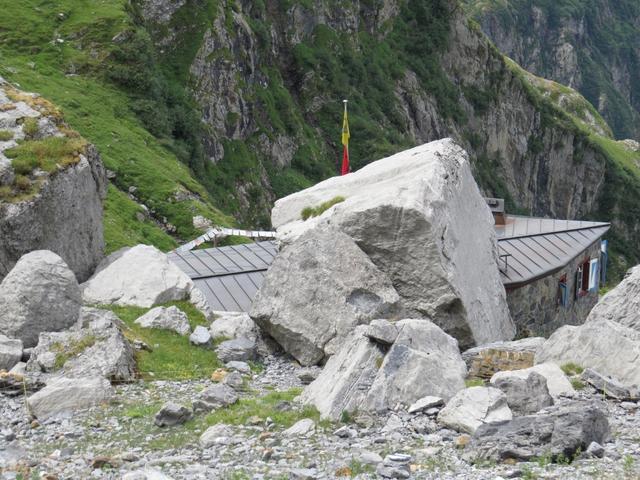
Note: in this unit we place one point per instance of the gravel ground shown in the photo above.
(111, 441)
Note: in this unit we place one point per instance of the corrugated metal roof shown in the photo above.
(231, 276)
(532, 248)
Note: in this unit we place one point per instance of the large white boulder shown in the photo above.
(420, 218)
(475, 406)
(140, 276)
(166, 318)
(318, 289)
(604, 345)
(622, 304)
(40, 294)
(68, 395)
(365, 375)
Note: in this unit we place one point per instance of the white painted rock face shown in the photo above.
(40, 294)
(472, 407)
(68, 395)
(140, 276)
(604, 345)
(622, 304)
(420, 218)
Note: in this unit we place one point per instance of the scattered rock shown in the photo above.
(303, 474)
(382, 331)
(525, 394)
(442, 260)
(234, 380)
(240, 349)
(317, 290)
(369, 458)
(230, 325)
(140, 276)
(146, 474)
(308, 375)
(40, 294)
(200, 336)
(560, 430)
(168, 318)
(216, 435)
(590, 346)
(242, 367)
(610, 386)
(485, 360)
(462, 441)
(302, 428)
(68, 395)
(172, 414)
(10, 352)
(475, 406)
(219, 375)
(215, 396)
(557, 382)
(425, 403)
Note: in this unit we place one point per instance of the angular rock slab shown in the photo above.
(237, 350)
(363, 376)
(10, 352)
(317, 290)
(99, 349)
(167, 318)
(604, 345)
(622, 304)
(558, 384)
(69, 395)
(421, 219)
(475, 406)
(40, 294)
(423, 361)
(215, 396)
(140, 276)
(230, 325)
(485, 360)
(559, 431)
(172, 414)
(611, 387)
(526, 395)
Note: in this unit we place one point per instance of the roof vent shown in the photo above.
(497, 208)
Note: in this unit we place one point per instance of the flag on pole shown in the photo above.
(345, 142)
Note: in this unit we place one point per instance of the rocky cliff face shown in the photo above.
(52, 195)
(592, 46)
(269, 78)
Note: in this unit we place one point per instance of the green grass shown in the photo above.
(48, 154)
(76, 347)
(572, 369)
(474, 382)
(173, 357)
(577, 384)
(263, 407)
(309, 212)
(101, 112)
(5, 135)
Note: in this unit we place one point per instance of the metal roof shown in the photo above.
(532, 248)
(229, 277)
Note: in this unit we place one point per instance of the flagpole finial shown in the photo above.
(345, 101)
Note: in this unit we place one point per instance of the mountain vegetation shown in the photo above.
(219, 107)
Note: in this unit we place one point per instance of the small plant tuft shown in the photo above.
(572, 369)
(30, 127)
(474, 382)
(309, 212)
(5, 135)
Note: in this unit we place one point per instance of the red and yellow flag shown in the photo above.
(345, 142)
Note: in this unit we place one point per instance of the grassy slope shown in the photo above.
(67, 73)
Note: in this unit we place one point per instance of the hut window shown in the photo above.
(563, 292)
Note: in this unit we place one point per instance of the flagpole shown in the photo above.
(345, 141)
(345, 102)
